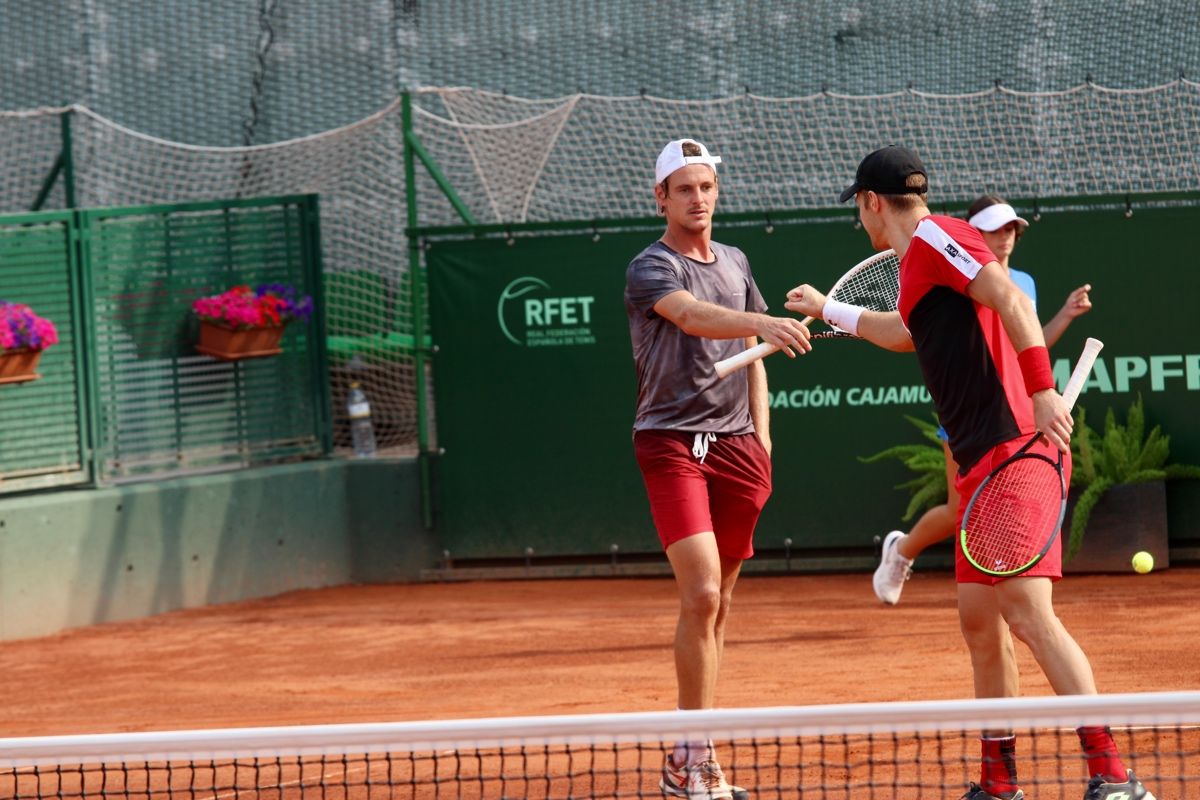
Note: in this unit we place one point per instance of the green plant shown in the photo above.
(929, 462)
(1124, 454)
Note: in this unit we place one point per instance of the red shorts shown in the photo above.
(1051, 564)
(724, 494)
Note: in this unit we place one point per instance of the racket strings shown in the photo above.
(1015, 515)
(875, 286)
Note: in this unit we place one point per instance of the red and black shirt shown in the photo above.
(965, 354)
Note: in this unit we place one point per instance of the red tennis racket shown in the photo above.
(1016, 513)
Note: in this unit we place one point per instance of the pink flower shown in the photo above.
(21, 329)
(245, 307)
(45, 330)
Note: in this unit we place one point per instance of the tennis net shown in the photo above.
(878, 750)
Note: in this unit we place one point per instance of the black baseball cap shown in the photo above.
(886, 171)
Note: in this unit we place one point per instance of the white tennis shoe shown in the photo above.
(700, 781)
(892, 572)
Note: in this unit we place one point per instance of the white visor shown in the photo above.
(995, 217)
(672, 158)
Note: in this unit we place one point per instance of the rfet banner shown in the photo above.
(535, 386)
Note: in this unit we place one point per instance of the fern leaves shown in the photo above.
(1124, 454)
(928, 488)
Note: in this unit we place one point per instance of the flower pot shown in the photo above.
(1128, 518)
(228, 344)
(17, 366)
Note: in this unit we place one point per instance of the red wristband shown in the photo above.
(1035, 368)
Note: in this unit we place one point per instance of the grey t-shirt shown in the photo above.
(677, 387)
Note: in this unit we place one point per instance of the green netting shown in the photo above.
(41, 422)
(163, 407)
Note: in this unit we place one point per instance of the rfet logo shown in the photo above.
(529, 315)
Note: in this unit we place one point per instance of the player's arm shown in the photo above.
(760, 410)
(699, 318)
(883, 328)
(993, 288)
(1078, 303)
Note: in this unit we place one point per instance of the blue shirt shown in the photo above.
(1024, 282)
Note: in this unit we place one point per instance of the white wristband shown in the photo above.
(842, 315)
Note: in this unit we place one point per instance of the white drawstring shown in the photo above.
(700, 445)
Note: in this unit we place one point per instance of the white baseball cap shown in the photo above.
(672, 158)
(995, 217)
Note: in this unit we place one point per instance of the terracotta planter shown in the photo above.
(1128, 518)
(17, 366)
(228, 344)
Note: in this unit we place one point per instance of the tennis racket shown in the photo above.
(873, 283)
(1016, 513)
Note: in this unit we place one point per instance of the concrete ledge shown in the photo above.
(82, 557)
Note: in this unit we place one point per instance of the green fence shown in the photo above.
(535, 410)
(124, 394)
(43, 423)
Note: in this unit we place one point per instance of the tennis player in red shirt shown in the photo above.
(983, 357)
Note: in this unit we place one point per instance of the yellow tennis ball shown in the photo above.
(1143, 562)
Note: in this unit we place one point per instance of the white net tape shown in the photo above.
(898, 751)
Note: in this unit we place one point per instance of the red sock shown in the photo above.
(1101, 752)
(998, 775)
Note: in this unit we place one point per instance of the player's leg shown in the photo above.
(739, 483)
(705, 581)
(993, 657)
(698, 578)
(901, 549)
(731, 568)
(1028, 606)
(987, 636)
(677, 487)
(994, 669)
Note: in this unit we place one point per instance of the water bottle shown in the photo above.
(362, 434)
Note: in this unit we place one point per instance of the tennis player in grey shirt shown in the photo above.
(702, 443)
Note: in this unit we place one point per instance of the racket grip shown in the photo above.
(749, 355)
(1083, 368)
(744, 358)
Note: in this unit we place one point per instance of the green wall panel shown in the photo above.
(535, 413)
(537, 436)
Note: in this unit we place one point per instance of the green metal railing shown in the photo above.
(124, 395)
(43, 423)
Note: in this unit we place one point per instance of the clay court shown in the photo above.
(456, 650)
